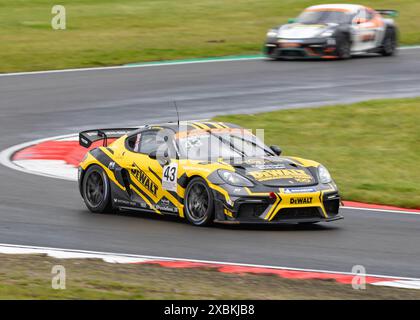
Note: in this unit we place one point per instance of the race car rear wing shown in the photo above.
(86, 138)
(387, 12)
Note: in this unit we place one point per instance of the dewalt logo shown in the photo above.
(142, 177)
(303, 200)
(298, 175)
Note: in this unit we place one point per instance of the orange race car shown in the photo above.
(334, 31)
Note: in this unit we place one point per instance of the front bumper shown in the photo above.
(300, 48)
(285, 221)
(319, 206)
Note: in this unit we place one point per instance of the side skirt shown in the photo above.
(145, 210)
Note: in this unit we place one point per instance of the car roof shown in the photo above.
(351, 8)
(185, 126)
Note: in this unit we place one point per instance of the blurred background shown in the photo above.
(106, 32)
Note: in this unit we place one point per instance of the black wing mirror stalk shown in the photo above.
(276, 150)
(162, 160)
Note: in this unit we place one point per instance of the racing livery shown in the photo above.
(334, 31)
(204, 172)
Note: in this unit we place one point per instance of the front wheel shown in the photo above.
(199, 202)
(96, 190)
(343, 47)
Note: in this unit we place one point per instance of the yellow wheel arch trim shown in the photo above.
(91, 160)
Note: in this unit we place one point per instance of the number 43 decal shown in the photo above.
(170, 177)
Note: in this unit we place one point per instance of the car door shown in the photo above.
(379, 26)
(151, 178)
(366, 28)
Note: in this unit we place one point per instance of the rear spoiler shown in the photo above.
(387, 12)
(86, 138)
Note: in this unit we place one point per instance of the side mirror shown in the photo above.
(291, 20)
(276, 150)
(359, 21)
(162, 160)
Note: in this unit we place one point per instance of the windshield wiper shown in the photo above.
(255, 144)
(231, 145)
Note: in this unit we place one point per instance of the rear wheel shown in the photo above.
(199, 202)
(389, 45)
(343, 46)
(96, 190)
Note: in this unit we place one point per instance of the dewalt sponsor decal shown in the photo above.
(296, 174)
(144, 179)
(301, 200)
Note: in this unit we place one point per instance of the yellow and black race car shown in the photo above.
(204, 172)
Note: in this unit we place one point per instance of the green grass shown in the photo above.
(107, 32)
(29, 277)
(372, 148)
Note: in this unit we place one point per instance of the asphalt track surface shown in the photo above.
(41, 211)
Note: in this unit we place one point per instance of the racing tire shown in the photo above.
(199, 202)
(96, 190)
(343, 50)
(389, 45)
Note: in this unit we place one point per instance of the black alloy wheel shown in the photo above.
(96, 190)
(199, 202)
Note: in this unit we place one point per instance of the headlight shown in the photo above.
(327, 33)
(272, 33)
(234, 179)
(324, 175)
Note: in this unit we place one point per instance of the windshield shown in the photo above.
(322, 17)
(225, 144)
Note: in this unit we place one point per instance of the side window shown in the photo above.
(147, 141)
(369, 15)
(150, 141)
(360, 17)
(133, 142)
